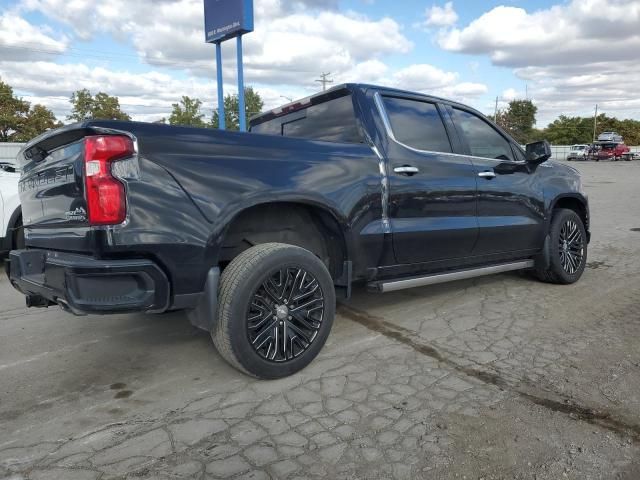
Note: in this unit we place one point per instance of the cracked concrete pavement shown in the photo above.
(498, 377)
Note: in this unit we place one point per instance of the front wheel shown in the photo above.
(276, 308)
(567, 249)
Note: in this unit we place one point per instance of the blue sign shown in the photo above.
(225, 19)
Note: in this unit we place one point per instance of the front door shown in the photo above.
(510, 200)
(432, 207)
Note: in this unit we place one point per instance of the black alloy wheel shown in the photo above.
(571, 247)
(566, 249)
(276, 306)
(285, 314)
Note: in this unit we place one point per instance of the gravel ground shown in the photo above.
(501, 377)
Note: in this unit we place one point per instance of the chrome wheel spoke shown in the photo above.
(285, 314)
(571, 247)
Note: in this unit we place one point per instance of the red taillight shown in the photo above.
(106, 198)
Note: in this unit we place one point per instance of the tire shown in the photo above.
(250, 295)
(563, 266)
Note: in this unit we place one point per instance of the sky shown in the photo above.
(566, 56)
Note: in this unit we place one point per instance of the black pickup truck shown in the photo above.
(254, 234)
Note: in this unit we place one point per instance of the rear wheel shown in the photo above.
(567, 249)
(276, 308)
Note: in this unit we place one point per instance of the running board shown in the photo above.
(393, 285)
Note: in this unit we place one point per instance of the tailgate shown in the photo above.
(52, 185)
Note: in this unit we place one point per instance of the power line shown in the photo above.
(101, 55)
(324, 80)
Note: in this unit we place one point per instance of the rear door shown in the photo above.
(510, 200)
(432, 206)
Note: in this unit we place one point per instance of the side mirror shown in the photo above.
(538, 152)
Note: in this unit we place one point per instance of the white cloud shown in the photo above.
(441, 16)
(21, 40)
(423, 77)
(142, 95)
(291, 44)
(511, 94)
(571, 55)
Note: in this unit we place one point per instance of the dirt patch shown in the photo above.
(560, 403)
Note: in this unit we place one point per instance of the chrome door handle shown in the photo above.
(488, 175)
(406, 170)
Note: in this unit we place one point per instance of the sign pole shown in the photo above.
(221, 115)
(241, 101)
(224, 20)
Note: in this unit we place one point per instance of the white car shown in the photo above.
(610, 137)
(11, 234)
(578, 152)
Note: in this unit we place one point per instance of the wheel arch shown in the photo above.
(575, 202)
(14, 221)
(286, 221)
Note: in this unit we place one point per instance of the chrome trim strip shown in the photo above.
(392, 286)
(384, 184)
(387, 125)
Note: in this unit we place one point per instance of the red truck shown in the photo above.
(612, 151)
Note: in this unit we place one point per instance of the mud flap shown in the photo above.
(543, 259)
(205, 315)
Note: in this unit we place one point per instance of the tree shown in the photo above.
(570, 130)
(13, 112)
(101, 107)
(519, 119)
(187, 113)
(253, 106)
(19, 121)
(38, 120)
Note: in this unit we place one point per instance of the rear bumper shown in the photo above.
(84, 285)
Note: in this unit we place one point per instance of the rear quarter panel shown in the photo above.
(224, 173)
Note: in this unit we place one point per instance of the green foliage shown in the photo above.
(39, 120)
(85, 106)
(187, 113)
(19, 121)
(520, 117)
(519, 120)
(570, 130)
(253, 106)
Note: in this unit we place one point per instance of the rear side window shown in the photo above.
(483, 139)
(330, 121)
(417, 124)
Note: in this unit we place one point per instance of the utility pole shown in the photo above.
(595, 123)
(495, 113)
(323, 80)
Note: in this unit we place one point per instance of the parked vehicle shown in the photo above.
(610, 137)
(578, 152)
(11, 236)
(254, 233)
(592, 152)
(612, 151)
(628, 156)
